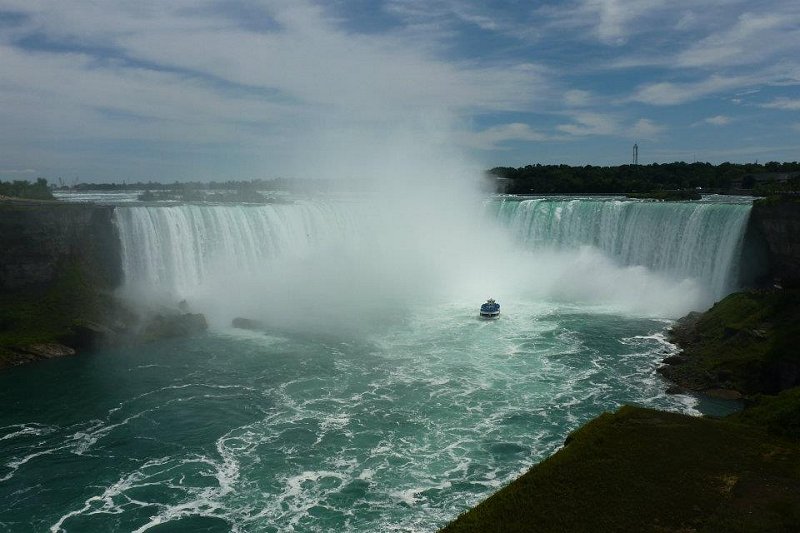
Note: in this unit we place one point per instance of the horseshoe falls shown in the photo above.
(700, 241)
(374, 398)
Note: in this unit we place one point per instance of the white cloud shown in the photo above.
(590, 123)
(612, 22)
(646, 129)
(718, 120)
(577, 98)
(752, 39)
(668, 93)
(309, 58)
(787, 104)
(193, 76)
(494, 137)
(180, 73)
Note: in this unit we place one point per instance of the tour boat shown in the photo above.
(490, 309)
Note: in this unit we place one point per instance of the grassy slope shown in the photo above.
(47, 315)
(779, 415)
(742, 343)
(645, 470)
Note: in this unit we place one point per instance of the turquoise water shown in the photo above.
(399, 430)
(376, 400)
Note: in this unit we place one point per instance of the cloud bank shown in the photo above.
(216, 90)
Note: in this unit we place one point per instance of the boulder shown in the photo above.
(179, 325)
(89, 335)
(49, 350)
(248, 323)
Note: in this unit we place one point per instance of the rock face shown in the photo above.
(778, 221)
(59, 264)
(36, 238)
(745, 344)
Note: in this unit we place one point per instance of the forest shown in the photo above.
(726, 177)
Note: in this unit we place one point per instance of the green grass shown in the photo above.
(644, 470)
(746, 342)
(779, 415)
(47, 315)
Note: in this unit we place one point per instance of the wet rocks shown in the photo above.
(248, 323)
(176, 325)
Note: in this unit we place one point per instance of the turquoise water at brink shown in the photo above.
(398, 420)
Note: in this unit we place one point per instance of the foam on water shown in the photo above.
(398, 418)
(399, 431)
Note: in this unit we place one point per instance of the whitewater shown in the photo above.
(374, 398)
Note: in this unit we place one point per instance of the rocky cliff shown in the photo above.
(59, 266)
(778, 221)
(38, 240)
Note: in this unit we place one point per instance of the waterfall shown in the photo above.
(177, 248)
(699, 240)
(361, 257)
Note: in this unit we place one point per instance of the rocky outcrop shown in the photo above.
(744, 345)
(38, 238)
(248, 323)
(164, 326)
(778, 221)
(59, 264)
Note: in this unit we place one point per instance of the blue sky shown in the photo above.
(199, 89)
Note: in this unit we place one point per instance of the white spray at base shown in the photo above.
(425, 235)
(320, 263)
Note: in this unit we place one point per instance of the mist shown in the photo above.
(418, 237)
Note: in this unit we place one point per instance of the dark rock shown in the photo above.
(779, 224)
(675, 360)
(729, 332)
(683, 332)
(168, 326)
(723, 394)
(687, 377)
(90, 335)
(38, 237)
(247, 323)
(781, 375)
(48, 350)
(675, 389)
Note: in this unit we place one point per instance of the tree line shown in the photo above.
(38, 190)
(543, 179)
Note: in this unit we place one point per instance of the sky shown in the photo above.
(107, 90)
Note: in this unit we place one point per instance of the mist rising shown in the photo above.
(419, 236)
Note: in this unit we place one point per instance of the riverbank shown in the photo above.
(644, 470)
(745, 344)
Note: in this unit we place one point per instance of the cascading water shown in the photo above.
(345, 253)
(699, 240)
(177, 248)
